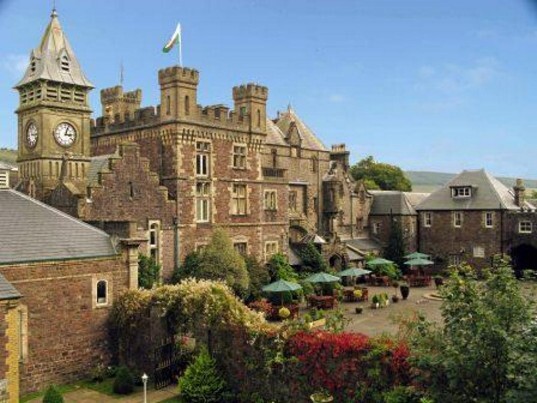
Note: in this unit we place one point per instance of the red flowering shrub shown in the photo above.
(261, 305)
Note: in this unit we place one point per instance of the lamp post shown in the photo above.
(144, 380)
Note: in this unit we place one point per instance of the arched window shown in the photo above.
(187, 105)
(102, 292)
(131, 190)
(258, 118)
(154, 241)
(168, 105)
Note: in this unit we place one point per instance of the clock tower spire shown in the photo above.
(54, 116)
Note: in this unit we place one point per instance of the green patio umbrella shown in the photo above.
(379, 261)
(353, 272)
(417, 255)
(281, 286)
(322, 278)
(419, 262)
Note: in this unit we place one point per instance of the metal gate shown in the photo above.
(167, 363)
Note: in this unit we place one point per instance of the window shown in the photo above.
(64, 63)
(461, 192)
(427, 220)
(314, 164)
(316, 204)
(168, 105)
(102, 292)
(239, 200)
(274, 153)
(33, 65)
(489, 220)
(154, 241)
(242, 111)
(187, 105)
(202, 158)
(131, 190)
(241, 247)
(258, 118)
(454, 260)
(457, 219)
(270, 200)
(200, 247)
(376, 228)
(292, 200)
(525, 227)
(271, 248)
(239, 157)
(203, 194)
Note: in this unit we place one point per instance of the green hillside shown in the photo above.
(8, 155)
(423, 181)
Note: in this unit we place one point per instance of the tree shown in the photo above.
(148, 272)
(485, 351)
(378, 175)
(259, 276)
(395, 250)
(312, 258)
(220, 261)
(280, 269)
(189, 268)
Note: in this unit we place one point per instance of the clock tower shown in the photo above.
(53, 117)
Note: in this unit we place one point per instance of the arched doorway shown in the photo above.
(336, 262)
(524, 258)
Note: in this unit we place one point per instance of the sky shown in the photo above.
(424, 84)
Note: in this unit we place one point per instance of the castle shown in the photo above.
(169, 174)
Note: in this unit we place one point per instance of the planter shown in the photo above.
(317, 323)
(375, 305)
(438, 281)
(395, 298)
(321, 398)
(405, 291)
(359, 309)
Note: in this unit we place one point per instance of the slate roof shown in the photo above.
(364, 244)
(8, 166)
(274, 134)
(488, 193)
(309, 139)
(294, 258)
(32, 231)
(387, 202)
(98, 164)
(7, 291)
(53, 46)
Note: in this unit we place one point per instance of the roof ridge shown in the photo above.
(494, 182)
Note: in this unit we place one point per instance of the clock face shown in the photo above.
(65, 134)
(31, 135)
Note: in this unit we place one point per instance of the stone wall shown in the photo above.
(408, 225)
(67, 334)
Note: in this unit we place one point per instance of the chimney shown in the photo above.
(520, 193)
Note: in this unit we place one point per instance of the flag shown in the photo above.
(175, 39)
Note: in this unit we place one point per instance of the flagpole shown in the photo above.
(180, 47)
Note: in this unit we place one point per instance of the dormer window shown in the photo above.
(461, 192)
(65, 64)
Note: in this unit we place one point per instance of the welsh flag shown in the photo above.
(175, 39)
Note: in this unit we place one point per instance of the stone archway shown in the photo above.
(336, 261)
(524, 258)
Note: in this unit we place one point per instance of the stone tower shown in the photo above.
(53, 117)
(178, 93)
(251, 103)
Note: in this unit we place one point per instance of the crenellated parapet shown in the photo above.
(174, 74)
(250, 90)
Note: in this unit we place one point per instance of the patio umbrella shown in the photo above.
(378, 261)
(419, 262)
(417, 255)
(281, 286)
(353, 272)
(322, 278)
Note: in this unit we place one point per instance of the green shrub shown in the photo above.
(124, 382)
(52, 395)
(201, 381)
(148, 272)
(280, 269)
(259, 277)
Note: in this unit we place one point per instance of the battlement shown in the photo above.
(250, 90)
(339, 148)
(114, 94)
(176, 73)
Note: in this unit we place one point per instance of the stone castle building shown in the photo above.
(169, 174)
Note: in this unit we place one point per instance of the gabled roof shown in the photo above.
(309, 140)
(33, 231)
(7, 291)
(274, 134)
(488, 193)
(54, 45)
(98, 164)
(364, 245)
(387, 202)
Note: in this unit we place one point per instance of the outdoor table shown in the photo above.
(348, 294)
(322, 301)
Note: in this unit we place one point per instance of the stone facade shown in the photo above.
(9, 351)
(65, 329)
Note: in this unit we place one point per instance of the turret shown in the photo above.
(119, 106)
(251, 103)
(178, 93)
(340, 154)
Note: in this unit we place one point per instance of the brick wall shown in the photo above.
(67, 335)
(408, 225)
(12, 347)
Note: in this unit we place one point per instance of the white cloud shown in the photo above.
(15, 64)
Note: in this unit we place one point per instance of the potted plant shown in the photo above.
(359, 309)
(395, 298)
(284, 312)
(375, 302)
(357, 294)
(405, 290)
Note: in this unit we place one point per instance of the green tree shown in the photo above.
(378, 175)
(280, 269)
(395, 250)
(259, 276)
(189, 268)
(485, 351)
(148, 272)
(312, 259)
(220, 261)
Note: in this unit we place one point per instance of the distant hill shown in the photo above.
(423, 181)
(8, 155)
